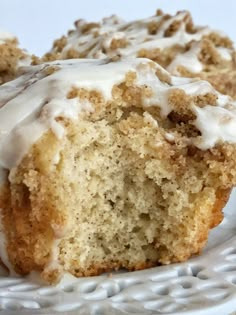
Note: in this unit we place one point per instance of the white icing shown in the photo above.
(217, 124)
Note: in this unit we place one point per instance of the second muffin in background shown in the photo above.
(12, 57)
(174, 42)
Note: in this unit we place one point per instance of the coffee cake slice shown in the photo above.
(110, 164)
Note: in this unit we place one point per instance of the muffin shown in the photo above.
(172, 41)
(109, 164)
(11, 57)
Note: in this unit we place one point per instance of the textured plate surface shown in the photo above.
(202, 285)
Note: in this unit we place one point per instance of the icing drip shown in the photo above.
(3, 250)
(217, 124)
(188, 60)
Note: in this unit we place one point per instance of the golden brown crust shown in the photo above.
(222, 197)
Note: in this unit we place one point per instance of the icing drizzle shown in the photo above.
(96, 40)
(30, 104)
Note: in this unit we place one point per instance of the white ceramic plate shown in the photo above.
(202, 285)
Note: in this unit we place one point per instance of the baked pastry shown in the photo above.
(110, 163)
(11, 57)
(173, 41)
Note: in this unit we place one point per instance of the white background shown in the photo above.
(38, 22)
